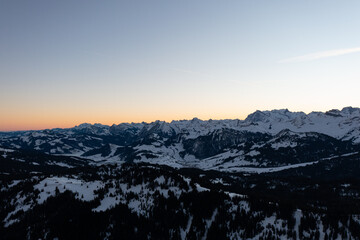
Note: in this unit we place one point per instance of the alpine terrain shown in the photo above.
(275, 175)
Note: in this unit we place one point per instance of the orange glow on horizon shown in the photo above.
(22, 123)
(26, 116)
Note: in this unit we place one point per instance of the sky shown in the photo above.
(66, 62)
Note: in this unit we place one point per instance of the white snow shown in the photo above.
(61, 164)
(143, 200)
(278, 169)
(184, 232)
(39, 142)
(12, 184)
(108, 202)
(6, 150)
(298, 216)
(253, 153)
(278, 145)
(231, 195)
(342, 124)
(209, 223)
(21, 205)
(160, 180)
(200, 188)
(84, 190)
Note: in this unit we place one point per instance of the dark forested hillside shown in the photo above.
(140, 201)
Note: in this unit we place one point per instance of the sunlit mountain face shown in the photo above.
(276, 174)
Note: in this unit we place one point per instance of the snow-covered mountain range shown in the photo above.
(276, 138)
(275, 175)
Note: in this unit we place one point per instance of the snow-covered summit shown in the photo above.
(96, 128)
(264, 138)
(342, 124)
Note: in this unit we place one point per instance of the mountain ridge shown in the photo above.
(274, 175)
(336, 123)
(273, 138)
(332, 112)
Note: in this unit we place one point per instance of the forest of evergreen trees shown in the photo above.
(182, 204)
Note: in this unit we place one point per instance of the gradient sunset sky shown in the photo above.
(63, 63)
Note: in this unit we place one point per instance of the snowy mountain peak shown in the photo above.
(280, 115)
(350, 110)
(83, 125)
(257, 116)
(336, 123)
(264, 137)
(334, 113)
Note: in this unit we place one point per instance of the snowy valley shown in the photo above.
(275, 175)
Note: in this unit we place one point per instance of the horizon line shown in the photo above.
(221, 119)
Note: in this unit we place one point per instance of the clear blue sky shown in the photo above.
(67, 62)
